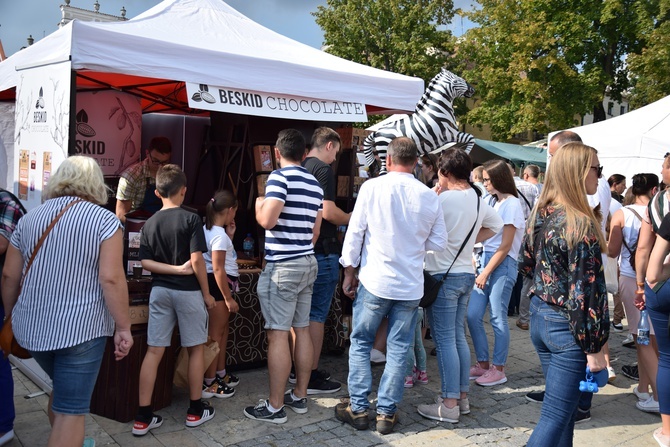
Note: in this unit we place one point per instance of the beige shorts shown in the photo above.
(627, 288)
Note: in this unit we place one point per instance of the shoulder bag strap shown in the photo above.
(467, 238)
(44, 236)
(524, 198)
(623, 239)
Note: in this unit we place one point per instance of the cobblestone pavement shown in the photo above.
(501, 416)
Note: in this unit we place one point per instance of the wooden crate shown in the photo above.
(263, 160)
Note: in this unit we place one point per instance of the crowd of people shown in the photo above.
(497, 242)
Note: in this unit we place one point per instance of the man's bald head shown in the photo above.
(562, 138)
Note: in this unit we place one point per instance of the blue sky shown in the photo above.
(292, 18)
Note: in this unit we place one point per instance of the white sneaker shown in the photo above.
(377, 356)
(628, 341)
(649, 405)
(611, 375)
(640, 395)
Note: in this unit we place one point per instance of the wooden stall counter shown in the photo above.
(116, 392)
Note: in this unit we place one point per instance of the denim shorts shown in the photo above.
(285, 292)
(74, 371)
(324, 286)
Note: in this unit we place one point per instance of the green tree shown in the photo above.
(537, 64)
(650, 69)
(403, 36)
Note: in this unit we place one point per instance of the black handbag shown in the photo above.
(431, 286)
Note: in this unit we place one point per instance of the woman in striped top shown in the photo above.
(74, 295)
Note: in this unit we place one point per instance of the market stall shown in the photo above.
(213, 81)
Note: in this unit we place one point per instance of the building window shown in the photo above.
(610, 106)
(622, 110)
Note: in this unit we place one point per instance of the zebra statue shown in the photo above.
(431, 126)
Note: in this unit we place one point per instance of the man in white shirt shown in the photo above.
(395, 221)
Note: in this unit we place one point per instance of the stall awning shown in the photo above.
(518, 154)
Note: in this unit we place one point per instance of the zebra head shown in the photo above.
(455, 86)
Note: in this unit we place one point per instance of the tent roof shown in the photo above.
(208, 42)
(515, 152)
(632, 143)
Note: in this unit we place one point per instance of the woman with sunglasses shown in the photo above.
(494, 283)
(569, 315)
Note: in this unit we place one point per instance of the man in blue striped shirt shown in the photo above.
(290, 212)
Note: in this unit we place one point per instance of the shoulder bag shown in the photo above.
(8, 343)
(431, 286)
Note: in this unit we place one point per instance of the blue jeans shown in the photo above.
(417, 352)
(658, 306)
(324, 286)
(496, 293)
(447, 323)
(564, 366)
(368, 311)
(6, 390)
(74, 371)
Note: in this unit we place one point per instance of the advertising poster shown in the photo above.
(42, 127)
(109, 129)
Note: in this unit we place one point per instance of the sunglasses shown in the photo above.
(599, 170)
(486, 180)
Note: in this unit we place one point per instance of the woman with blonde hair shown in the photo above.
(495, 280)
(74, 295)
(569, 314)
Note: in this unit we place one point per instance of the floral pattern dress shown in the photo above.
(571, 280)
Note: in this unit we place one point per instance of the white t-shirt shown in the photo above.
(218, 240)
(602, 197)
(511, 212)
(460, 209)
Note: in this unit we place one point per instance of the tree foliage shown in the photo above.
(403, 36)
(537, 64)
(650, 69)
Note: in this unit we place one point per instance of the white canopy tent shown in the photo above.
(632, 143)
(207, 42)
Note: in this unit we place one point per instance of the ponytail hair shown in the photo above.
(643, 184)
(222, 200)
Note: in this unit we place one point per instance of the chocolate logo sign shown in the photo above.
(83, 127)
(203, 95)
(40, 116)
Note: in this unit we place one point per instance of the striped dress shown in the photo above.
(61, 303)
(302, 195)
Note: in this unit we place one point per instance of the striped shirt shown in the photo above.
(302, 195)
(61, 302)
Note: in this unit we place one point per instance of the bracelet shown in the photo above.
(639, 291)
(640, 284)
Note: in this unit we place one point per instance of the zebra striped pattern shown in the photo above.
(431, 126)
(61, 303)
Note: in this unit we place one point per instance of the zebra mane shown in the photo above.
(441, 87)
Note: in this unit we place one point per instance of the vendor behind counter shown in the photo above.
(137, 185)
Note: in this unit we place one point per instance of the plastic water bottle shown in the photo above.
(643, 328)
(248, 245)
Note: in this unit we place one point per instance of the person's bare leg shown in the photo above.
(279, 365)
(216, 333)
(67, 430)
(303, 360)
(148, 373)
(380, 338)
(647, 366)
(196, 371)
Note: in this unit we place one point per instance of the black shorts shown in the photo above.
(214, 287)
